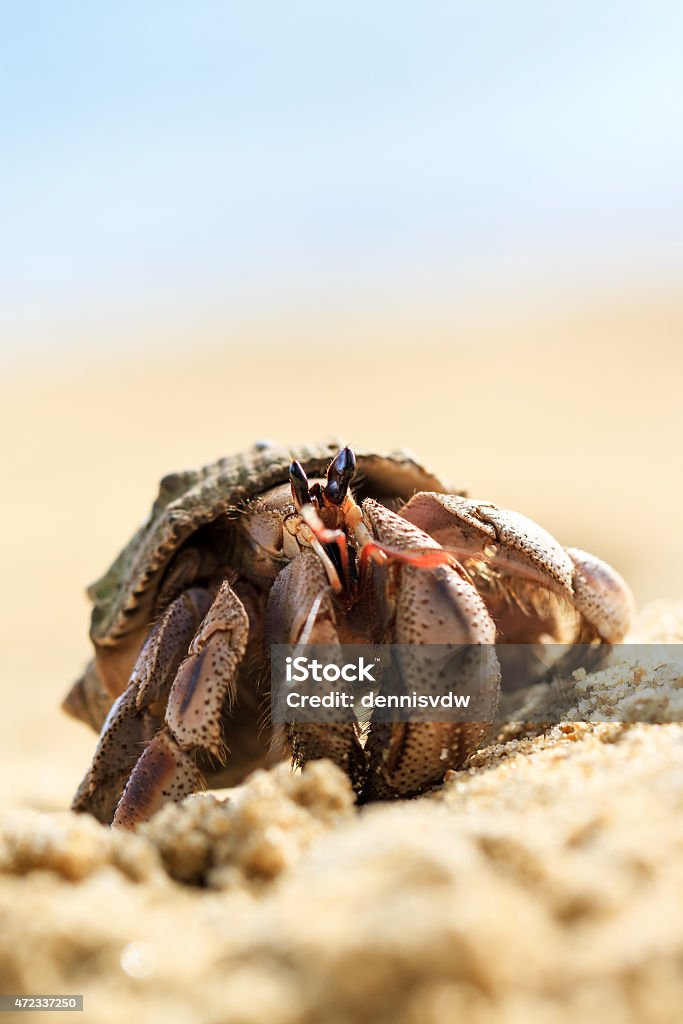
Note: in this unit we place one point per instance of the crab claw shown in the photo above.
(527, 563)
(339, 476)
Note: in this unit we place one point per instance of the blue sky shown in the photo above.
(161, 159)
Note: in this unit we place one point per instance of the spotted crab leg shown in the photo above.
(170, 711)
(300, 611)
(125, 732)
(137, 713)
(429, 603)
(509, 546)
(167, 769)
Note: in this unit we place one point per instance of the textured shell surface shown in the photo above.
(193, 498)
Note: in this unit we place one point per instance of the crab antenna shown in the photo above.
(299, 484)
(339, 476)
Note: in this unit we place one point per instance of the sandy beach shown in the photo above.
(517, 901)
(451, 230)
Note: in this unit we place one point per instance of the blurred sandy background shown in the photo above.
(462, 235)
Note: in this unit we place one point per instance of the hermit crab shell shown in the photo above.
(124, 597)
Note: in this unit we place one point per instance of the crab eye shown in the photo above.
(339, 476)
(299, 484)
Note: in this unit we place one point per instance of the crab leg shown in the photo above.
(167, 769)
(601, 595)
(430, 604)
(125, 732)
(300, 611)
(137, 713)
(517, 549)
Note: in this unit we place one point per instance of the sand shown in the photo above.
(542, 883)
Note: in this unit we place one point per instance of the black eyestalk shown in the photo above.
(299, 484)
(339, 476)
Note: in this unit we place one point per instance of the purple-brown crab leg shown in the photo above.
(300, 611)
(429, 603)
(515, 547)
(206, 678)
(137, 713)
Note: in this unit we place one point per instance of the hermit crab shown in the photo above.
(316, 544)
